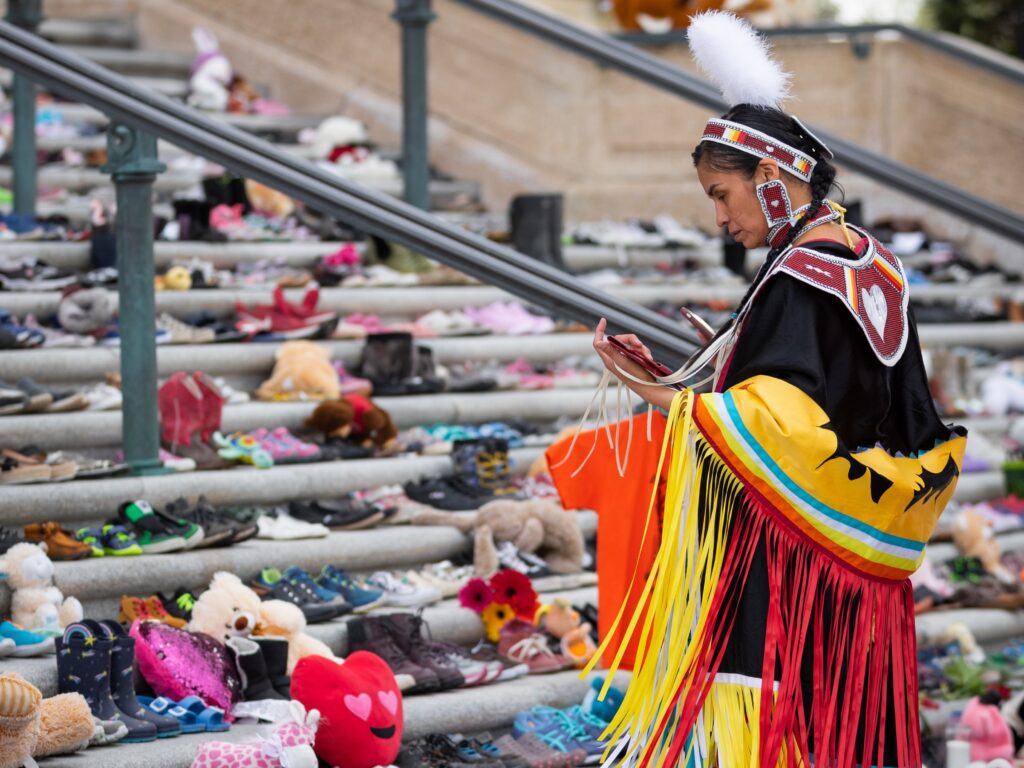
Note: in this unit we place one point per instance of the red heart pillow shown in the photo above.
(360, 707)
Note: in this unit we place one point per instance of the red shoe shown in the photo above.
(180, 401)
(304, 311)
(212, 405)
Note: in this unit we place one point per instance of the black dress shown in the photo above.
(806, 337)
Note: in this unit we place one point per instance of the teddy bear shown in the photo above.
(230, 609)
(268, 202)
(211, 74)
(357, 417)
(972, 534)
(660, 16)
(302, 371)
(36, 604)
(536, 526)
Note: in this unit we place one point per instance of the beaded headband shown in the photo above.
(760, 144)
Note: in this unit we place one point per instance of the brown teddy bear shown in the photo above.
(973, 536)
(357, 417)
(302, 371)
(642, 15)
(536, 526)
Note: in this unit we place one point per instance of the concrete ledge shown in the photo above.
(90, 364)
(285, 124)
(173, 87)
(79, 179)
(84, 500)
(990, 626)
(106, 32)
(980, 486)
(94, 429)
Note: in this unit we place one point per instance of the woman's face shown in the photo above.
(736, 205)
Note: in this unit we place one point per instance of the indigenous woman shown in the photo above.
(776, 626)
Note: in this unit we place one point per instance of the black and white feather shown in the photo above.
(737, 59)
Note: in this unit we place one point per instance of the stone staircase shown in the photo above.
(99, 583)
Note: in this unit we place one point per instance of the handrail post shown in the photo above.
(132, 161)
(414, 16)
(28, 15)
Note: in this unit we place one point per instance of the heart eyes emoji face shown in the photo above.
(360, 705)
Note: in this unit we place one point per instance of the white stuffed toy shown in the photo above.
(211, 74)
(36, 604)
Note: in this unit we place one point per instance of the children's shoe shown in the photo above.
(25, 643)
(557, 729)
(307, 583)
(154, 534)
(361, 598)
(60, 544)
(180, 604)
(402, 594)
(93, 538)
(522, 642)
(117, 542)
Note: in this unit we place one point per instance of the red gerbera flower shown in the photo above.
(476, 595)
(515, 589)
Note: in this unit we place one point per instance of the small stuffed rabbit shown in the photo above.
(289, 746)
(211, 74)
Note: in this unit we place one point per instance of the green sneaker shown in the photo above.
(117, 542)
(94, 538)
(154, 534)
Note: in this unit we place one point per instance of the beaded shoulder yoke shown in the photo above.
(873, 289)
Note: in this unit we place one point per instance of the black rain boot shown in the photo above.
(536, 222)
(275, 655)
(252, 669)
(387, 361)
(83, 666)
(122, 678)
(426, 380)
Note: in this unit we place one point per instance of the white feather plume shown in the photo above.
(737, 59)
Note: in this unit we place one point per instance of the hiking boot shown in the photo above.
(407, 631)
(122, 678)
(370, 634)
(150, 609)
(252, 670)
(83, 666)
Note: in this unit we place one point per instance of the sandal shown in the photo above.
(167, 708)
(60, 544)
(211, 718)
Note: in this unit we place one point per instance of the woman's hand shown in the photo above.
(613, 358)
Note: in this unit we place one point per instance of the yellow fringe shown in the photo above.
(684, 576)
(842, 221)
(730, 733)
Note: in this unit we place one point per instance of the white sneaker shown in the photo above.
(103, 397)
(402, 594)
(284, 527)
(231, 395)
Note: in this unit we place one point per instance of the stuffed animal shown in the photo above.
(355, 416)
(360, 700)
(972, 534)
(560, 620)
(660, 16)
(336, 134)
(289, 746)
(85, 310)
(210, 76)
(268, 202)
(176, 279)
(38, 727)
(302, 371)
(36, 604)
(535, 526)
(230, 609)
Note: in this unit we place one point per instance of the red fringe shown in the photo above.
(864, 657)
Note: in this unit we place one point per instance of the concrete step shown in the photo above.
(470, 710)
(257, 360)
(991, 627)
(138, 62)
(80, 501)
(83, 430)
(591, 257)
(166, 150)
(109, 33)
(173, 87)
(99, 582)
(78, 211)
(281, 125)
(83, 179)
(980, 486)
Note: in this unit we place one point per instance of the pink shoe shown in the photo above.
(283, 446)
(352, 385)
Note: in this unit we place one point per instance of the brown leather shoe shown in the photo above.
(157, 611)
(60, 544)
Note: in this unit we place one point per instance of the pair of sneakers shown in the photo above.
(158, 532)
(297, 587)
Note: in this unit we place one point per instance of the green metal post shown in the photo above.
(28, 15)
(132, 160)
(414, 16)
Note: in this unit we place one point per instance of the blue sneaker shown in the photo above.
(361, 598)
(301, 580)
(26, 643)
(559, 731)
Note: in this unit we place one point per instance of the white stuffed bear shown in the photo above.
(211, 74)
(36, 604)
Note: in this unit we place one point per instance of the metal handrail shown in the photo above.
(74, 77)
(933, 40)
(630, 60)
